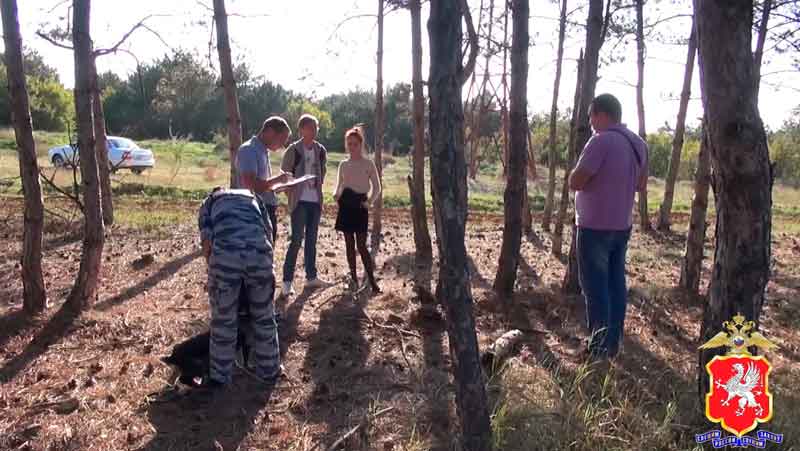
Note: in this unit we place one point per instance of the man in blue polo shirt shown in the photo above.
(254, 165)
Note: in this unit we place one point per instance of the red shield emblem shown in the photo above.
(739, 397)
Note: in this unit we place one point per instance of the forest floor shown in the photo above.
(95, 381)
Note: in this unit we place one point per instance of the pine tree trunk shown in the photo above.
(762, 38)
(234, 119)
(665, 211)
(695, 238)
(552, 157)
(740, 158)
(563, 204)
(594, 40)
(34, 294)
(449, 189)
(377, 223)
(85, 288)
(516, 185)
(101, 149)
(644, 216)
(419, 215)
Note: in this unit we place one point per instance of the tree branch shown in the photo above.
(112, 49)
(473, 43)
(60, 190)
(53, 41)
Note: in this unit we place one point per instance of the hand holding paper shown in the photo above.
(292, 182)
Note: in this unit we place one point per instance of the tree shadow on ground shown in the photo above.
(56, 328)
(434, 376)
(62, 321)
(344, 387)
(199, 421)
(555, 329)
(13, 323)
(290, 318)
(475, 276)
(165, 272)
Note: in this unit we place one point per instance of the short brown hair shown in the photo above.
(306, 119)
(276, 124)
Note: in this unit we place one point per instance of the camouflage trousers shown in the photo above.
(230, 271)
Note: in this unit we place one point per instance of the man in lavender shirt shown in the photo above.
(610, 170)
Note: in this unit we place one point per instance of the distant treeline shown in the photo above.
(180, 96)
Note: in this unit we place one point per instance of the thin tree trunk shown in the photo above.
(234, 119)
(563, 204)
(377, 223)
(665, 211)
(85, 288)
(516, 184)
(449, 189)
(695, 238)
(101, 149)
(551, 158)
(34, 294)
(419, 215)
(527, 214)
(644, 216)
(594, 40)
(504, 84)
(762, 38)
(475, 138)
(742, 175)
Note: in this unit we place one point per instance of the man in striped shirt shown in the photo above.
(236, 233)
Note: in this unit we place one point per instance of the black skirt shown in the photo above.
(352, 216)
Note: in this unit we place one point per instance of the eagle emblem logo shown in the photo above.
(739, 398)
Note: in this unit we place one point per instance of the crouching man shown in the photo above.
(236, 235)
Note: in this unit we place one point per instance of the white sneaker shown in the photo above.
(316, 283)
(287, 289)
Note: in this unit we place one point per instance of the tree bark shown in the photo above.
(665, 211)
(740, 159)
(516, 185)
(419, 215)
(34, 297)
(85, 288)
(695, 238)
(234, 119)
(551, 159)
(449, 189)
(101, 149)
(563, 204)
(377, 223)
(594, 40)
(762, 38)
(644, 216)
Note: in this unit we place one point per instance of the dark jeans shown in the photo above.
(305, 221)
(601, 267)
(272, 211)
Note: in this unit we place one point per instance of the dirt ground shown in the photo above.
(96, 382)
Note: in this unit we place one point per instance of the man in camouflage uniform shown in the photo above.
(236, 236)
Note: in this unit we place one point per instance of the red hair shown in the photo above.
(355, 131)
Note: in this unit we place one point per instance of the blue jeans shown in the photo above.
(601, 268)
(305, 221)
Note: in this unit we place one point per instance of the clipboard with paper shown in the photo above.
(292, 183)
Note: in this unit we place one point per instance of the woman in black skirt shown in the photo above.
(357, 178)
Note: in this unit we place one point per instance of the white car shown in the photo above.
(123, 153)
